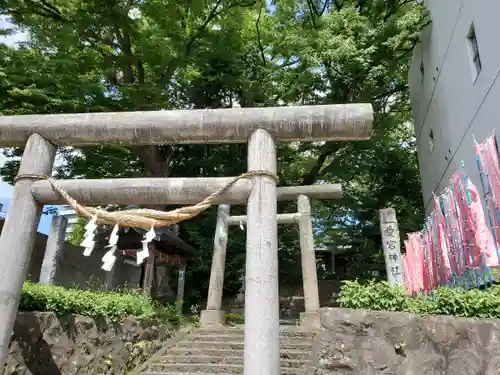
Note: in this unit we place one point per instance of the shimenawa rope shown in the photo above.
(144, 218)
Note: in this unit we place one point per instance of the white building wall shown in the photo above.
(446, 98)
(70, 214)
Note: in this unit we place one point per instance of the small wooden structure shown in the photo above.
(169, 251)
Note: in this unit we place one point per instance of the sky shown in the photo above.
(10, 39)
(5, 188)
(5, 197)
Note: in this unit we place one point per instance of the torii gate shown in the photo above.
(260, 127)
(214, 315)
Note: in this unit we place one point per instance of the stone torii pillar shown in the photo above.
(310, 318)
(214, 315)
(19, 233)
(260, 127)
(181, 277)
(262, 321)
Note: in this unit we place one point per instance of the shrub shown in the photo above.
(110, 305)
(235, 318)
(444, 301)
(372, 296)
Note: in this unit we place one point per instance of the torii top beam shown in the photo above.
(167, 191)
(233, 125)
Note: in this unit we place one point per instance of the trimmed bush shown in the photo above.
(459, 302)
(235, 318)
(110, 305)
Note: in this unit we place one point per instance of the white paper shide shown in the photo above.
(88, 237)
(144, 252)
(109, 258)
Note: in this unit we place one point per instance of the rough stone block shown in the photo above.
(310, 320)
(47, 344)
(211, 318)
(361, 342)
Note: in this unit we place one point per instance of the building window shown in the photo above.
(431, 140)
(475, 59)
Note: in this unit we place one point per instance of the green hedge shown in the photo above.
(233, 318)
(110, 305)
(445, 301)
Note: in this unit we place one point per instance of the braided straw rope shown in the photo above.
(146, 218)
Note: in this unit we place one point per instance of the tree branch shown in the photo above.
(141, 76)
(398, 88)
(289, 63)
(259, 41)
(325, 6)
(339, 4)
(211, 16)
(326, 150)
(214, 13)
(45, 10)
(312, 12)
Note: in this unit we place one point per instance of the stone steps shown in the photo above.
(204, 368)
(284, 332)
(220, 351)
(237, 345)
(231, 360)
(231, 338)
(196, 352)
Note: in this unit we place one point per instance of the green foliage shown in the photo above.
(92, 56)
(76, 236)
(232, 318)
(379, 296)
(114, 306)
(372, 296)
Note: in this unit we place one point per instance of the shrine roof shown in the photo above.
(166, 241)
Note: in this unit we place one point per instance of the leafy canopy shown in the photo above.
(123, 55)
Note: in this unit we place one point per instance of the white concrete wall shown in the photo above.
(70, 214)
(447, 98)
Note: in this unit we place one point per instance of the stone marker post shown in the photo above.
(149, 270)
(53, 249)
(392, 247)
(181, 282)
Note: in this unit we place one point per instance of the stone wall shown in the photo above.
(359, 342)
(44, 344)
(291, 299)
(74, 269)
(83, 272)
(37, 256)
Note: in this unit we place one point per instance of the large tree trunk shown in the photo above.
(156, 161)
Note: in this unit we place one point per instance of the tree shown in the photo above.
(354, 51)
(77, 234)
(148, 55)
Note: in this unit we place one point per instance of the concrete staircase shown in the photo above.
(220, 351)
